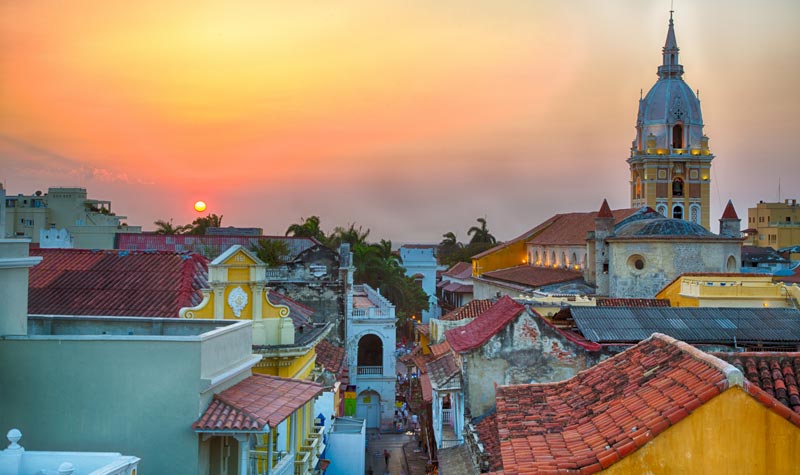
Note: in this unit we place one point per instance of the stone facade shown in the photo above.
(527, 350)
(319, 278)
(663, 261)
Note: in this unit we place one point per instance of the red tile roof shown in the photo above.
(210, 246)
(460, 270)
(605, 210)
(533, 276)
(255, 403)
(570, 229)
(330, 356)
(440, 348)
(730, 212)
(427, 389)
(115, 283)
(442, 372)
(423, 329)
(591, 421)
(488, 436)
(621, 302)
(775, 373)
(457, 288)
(477, 332)
(300, 314)
(470, 310)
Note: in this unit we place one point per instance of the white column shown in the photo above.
(244, 452)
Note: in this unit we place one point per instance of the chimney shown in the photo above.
(14, 265)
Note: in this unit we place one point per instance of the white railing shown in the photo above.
(301, 463)
(369, 370)
(447, 416)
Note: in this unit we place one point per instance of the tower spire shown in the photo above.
(670, 66)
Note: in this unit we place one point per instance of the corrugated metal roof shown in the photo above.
(693, 325)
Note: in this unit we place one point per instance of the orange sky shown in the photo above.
(409, 118)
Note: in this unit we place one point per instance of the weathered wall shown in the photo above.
(324, 293)
(664, 260)
(526, 351)
(731, 434)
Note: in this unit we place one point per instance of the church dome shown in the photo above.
(663, 227)
(669, 115)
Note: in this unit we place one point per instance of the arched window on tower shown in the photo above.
(677, 212)
(638, 187)
(677, 136)
(677, 187)
(694, 213)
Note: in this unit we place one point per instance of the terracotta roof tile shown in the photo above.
(209, 246)
(300, 314)
(592, 420)
(606, 412)
(470, 310)
(427, 389)
(423, 329)
(330, 356)
(533, 276)
(256, 402)
(459, 270)
(115, 283)
(775, 373)
(484, 326)
(570, 229)
(487, 433)
(440, 349)
(457, 288)
(443, 372)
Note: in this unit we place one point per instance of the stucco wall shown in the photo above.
(134, 397)
(731, 434)
(663, 261)
(525, 351)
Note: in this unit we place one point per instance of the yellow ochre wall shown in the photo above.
(739, 291)
(511, 255)
(300, 367)
(732, 434)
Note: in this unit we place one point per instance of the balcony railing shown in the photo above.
(258, 462)
(302, 464)
(369, 370)
(447, 416)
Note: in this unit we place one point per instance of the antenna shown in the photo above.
(779, 189)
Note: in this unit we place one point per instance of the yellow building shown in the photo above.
(728, 290)
(775, 225)
(660, 407)
(239, 292)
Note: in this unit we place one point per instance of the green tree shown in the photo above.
(199, 225)
(350, 235)
(166, 227)
(481, 234)
(273, 252)
(309, 227)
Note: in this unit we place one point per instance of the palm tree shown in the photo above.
(350, 235)
(272, 251)
(200, 225)
(166, 227)
(308, 228)
(481, 234)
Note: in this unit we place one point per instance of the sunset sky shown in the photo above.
(410, 118)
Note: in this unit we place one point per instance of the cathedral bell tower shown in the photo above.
(670, 161)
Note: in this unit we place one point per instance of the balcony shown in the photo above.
(281, 462)
(369, 370)
(302, 463)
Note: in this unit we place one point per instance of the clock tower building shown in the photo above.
(670, 162)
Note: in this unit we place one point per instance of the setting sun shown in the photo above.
(200, 206)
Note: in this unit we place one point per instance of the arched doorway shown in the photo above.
(368, 407)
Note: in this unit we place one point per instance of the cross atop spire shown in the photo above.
(670, 67)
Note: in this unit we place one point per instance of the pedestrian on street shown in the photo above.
(386, 456)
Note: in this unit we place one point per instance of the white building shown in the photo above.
(16, 460)
(419, 260)
(371, 343)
